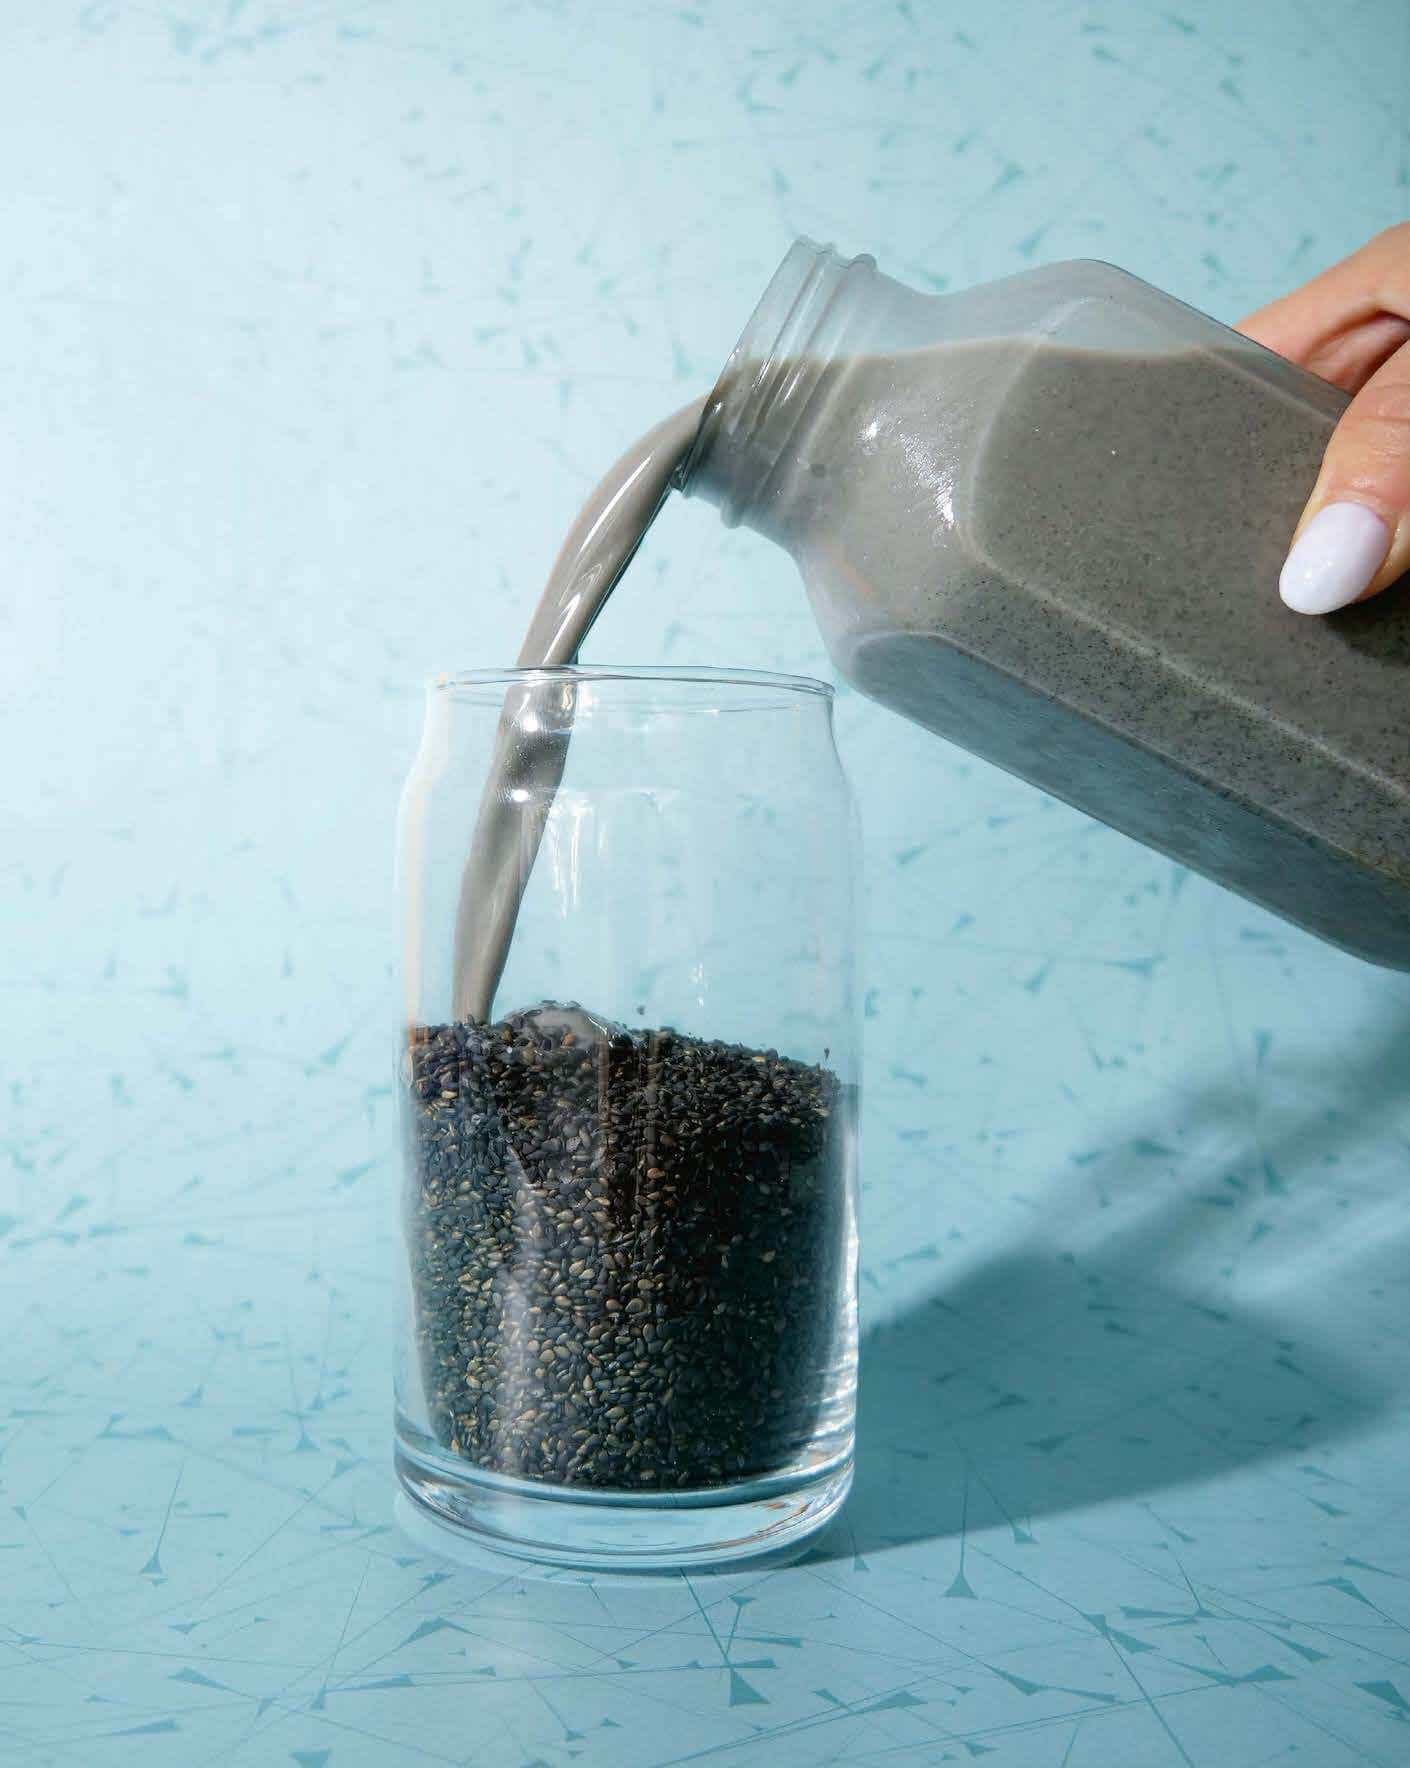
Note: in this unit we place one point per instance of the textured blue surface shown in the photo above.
(317, 320)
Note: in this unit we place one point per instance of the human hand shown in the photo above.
(1351, 325)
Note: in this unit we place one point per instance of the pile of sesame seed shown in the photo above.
(627, 1250)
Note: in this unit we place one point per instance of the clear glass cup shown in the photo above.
(628, 1335)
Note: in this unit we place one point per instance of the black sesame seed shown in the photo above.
(627, 1250)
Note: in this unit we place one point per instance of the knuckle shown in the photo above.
(1371, 449)
(1383, 405)
(1390, 259)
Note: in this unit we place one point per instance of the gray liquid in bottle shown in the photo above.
(1073, 573)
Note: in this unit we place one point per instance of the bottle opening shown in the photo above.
(797, 328)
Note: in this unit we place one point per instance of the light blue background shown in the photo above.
(316, 320)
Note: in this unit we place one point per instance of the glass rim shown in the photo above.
(663, 673)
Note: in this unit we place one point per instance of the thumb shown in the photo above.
(1354, 536)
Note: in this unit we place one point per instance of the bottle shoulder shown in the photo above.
(1102, 304)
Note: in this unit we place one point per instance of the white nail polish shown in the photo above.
(1335, 557)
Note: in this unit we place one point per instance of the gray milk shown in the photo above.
(1045, 520)
(1070, 568)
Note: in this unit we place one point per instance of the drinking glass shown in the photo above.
(628, 1331)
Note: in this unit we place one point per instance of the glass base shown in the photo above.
(622, 1531)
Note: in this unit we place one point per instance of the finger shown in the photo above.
(1347, 321)
(1349, 358)
(1354, 536)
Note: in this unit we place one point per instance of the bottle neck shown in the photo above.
(808, 317)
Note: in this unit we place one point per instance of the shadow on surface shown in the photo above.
(1047, 1381)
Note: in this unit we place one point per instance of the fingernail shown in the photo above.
(1335, 557)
